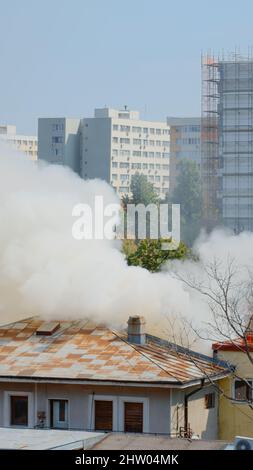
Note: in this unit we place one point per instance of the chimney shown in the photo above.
(136, 332)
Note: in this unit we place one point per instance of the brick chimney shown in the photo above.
(136, 331)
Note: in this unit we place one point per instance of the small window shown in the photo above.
(19, 410)
(243, 390)
(209, 400)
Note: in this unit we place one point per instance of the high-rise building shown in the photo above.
(27, 144)
(184, 143)
(113, 146)
(117, 143)
(227, 141)
(59, 141)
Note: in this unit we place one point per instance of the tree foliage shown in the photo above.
(142, 190)
(150, 255)
(187, 193)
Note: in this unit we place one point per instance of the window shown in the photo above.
(137, 141)
(166, 155)
(124, 140)
(58, 127)
(114, 176)
(136, 153)
(19, 410)
(166, 143)
(115, 127)
(158, 154)
(124, 165)
(158, 131)
(151, 154)
(137, 130)
(124, 177)
(145, 142)
(165, 167)
(136, 166)
(152, 143)
(209, 400)
(124, 153)
(166, 131)
(158, 142)
(125, 128)
(158, 166)
(243, 390)
(123, 189)
(145, 154)
(57, 140)
(114, 165)
(151, 166)
(103, 415)
(59, 414)
(145, 130)
(157, 179)
(145, 166)
(115, 140)
(133, 417)
(115, 152)
(152, 130)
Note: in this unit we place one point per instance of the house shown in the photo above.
(83, 376)
(235, 410)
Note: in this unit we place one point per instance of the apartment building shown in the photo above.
(27, 144)
(184, 143)
(113, 146)
(59, 141)
(116, 144)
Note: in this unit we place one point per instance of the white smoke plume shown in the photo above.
(45, 271)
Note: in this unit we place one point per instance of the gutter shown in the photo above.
(64, 380)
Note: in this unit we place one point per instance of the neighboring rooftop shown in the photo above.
(83, 351)
(154, 442)
(47, 439)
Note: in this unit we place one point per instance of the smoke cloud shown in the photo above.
(45, 271)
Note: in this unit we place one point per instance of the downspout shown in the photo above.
(186, 398)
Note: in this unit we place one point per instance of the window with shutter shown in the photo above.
(133, 419)
(103, 415)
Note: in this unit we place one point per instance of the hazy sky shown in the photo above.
(62, 57)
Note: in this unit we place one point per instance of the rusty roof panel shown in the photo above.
(82, 350)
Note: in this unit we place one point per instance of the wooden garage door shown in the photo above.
(103, 415)
(133, 417)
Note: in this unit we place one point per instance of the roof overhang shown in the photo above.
(73, 381)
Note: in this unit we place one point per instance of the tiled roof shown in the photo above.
(80, 350)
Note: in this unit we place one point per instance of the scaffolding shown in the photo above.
(227, 141)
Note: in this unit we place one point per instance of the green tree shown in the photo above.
(142, 190)
(187, 193)
(150, 255)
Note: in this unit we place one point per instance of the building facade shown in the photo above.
(235, 403)
(185, 134)
(116, 144)
(113, 146)
(59, 141)
(27, 144)
(227, 141)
